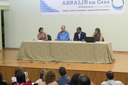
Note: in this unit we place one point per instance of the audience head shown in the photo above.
(78, 29)
(50, 76)
(62, 71)
(42, 74)
(1, 78)
(41, 29)
(18, 69)
(84, 80)
(63, 28)
(20, 77)
(110, 75)
(74, 80)
(98, 32)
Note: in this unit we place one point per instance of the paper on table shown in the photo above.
(40, 40)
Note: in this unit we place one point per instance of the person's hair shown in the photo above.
(62, 71)
(64, 26)
(84, 80)
(42, 72)
(20, 77)
(99, 32)
(40, 29)
(79, 28)
(110, 75)
(50, 76)
(1, 78)
(18, 69)
(74, 80)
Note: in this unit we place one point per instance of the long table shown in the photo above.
(67, 51)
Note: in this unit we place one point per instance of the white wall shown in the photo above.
(23, 20)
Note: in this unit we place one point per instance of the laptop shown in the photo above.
(90, 39)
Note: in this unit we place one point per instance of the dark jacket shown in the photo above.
(82, 36)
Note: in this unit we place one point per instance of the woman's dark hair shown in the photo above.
(74, 80)
(40, 29)
(20, 77)
(18, 69)
(42, 74)
(1, 78)
(84, 80)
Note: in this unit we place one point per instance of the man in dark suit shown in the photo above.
(79, 35)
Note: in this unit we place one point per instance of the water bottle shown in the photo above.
(33, 39)
(82, 40)
(55, 39)
(71, 40)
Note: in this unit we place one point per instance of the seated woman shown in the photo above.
(74, 80)
(49, 78)
(97, 35)
(41, 35)
(18, 69)
(21, 79)
(1, 80)
(41, 76)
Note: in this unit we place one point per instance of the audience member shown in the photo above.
(74, 80)
(64, 79)
(18, 69)
(21, 79)
(49, 78)
(84, 80)
(109, 79)
(41, 76)
(1, 80)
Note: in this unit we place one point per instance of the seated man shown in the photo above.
(79, 35)
(64, 79)
(109, 79)
(84, 80)
(63, 35)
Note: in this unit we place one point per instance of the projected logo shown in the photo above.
(118, 5)
(45, 8)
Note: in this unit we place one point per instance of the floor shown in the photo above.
(8, 63)
(9, 58)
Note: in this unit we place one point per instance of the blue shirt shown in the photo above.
(63, 80)
(63, 37)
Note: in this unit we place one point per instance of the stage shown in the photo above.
(8, 63)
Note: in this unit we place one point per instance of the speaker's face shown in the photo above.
(42, 30)
(62, 28)
(96, 31)
(77, 30)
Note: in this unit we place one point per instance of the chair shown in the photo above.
(35, 84)
(103, 40)
(14, 83)
(49, 38)
(4, 83)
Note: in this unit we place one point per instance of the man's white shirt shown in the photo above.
(112, 82)
(79, 35)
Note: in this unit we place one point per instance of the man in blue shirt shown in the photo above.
(64, 79)
(63, 35)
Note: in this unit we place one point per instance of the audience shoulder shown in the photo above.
(119, 82)
(55, 83)
(41, 83)
(103, 83)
